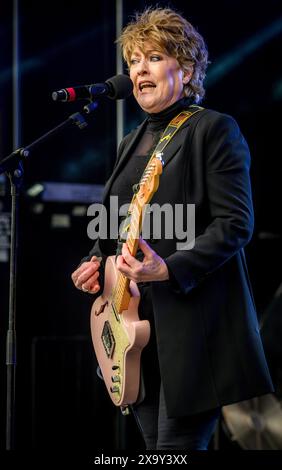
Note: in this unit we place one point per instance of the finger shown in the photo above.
(91, 289)
(75, 275)
(94, 288)
(122, 266)
(86, 274)
(135, 274)
(87, 283)
(145, 248)
(96, 258)
(128, 258)
(84, 266)
(119, 261)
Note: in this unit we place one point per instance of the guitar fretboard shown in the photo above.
(147, 187)
(121, 295)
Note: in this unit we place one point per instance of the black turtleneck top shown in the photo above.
(136, 164)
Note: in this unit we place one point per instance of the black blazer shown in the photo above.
(209, 345)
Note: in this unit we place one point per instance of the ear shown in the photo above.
(187, 74)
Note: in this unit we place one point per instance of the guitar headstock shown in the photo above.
(150, 180)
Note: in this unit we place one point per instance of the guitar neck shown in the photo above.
(122, 295)
(131, 231)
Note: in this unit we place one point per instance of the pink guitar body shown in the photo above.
(118, 337)
(117, 333)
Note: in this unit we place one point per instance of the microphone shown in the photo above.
(116, 88)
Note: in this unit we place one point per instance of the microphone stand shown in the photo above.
(12, 165)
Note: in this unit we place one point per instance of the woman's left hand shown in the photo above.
(152, 268)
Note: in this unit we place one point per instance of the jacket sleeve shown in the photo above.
(229, 200)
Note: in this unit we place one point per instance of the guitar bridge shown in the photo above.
(108, 339)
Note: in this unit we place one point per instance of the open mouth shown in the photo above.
(144, 85)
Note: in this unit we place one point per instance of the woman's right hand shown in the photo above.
(86, 276)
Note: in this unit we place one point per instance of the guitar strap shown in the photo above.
(172, 128)
(168, 134)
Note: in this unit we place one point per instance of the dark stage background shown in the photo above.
(61, 404)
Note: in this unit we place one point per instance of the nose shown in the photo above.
(142, 67)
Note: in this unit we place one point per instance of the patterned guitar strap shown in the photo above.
(172, 128)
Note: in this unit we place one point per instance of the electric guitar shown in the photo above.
(117, 333)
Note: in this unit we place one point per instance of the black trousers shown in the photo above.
(160, 432)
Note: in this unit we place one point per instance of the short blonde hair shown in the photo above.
(170, 32)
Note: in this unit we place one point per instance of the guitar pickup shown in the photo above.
(108, 339)
(115, 378)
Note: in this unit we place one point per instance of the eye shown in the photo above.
(155, 58)
(133, 61)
